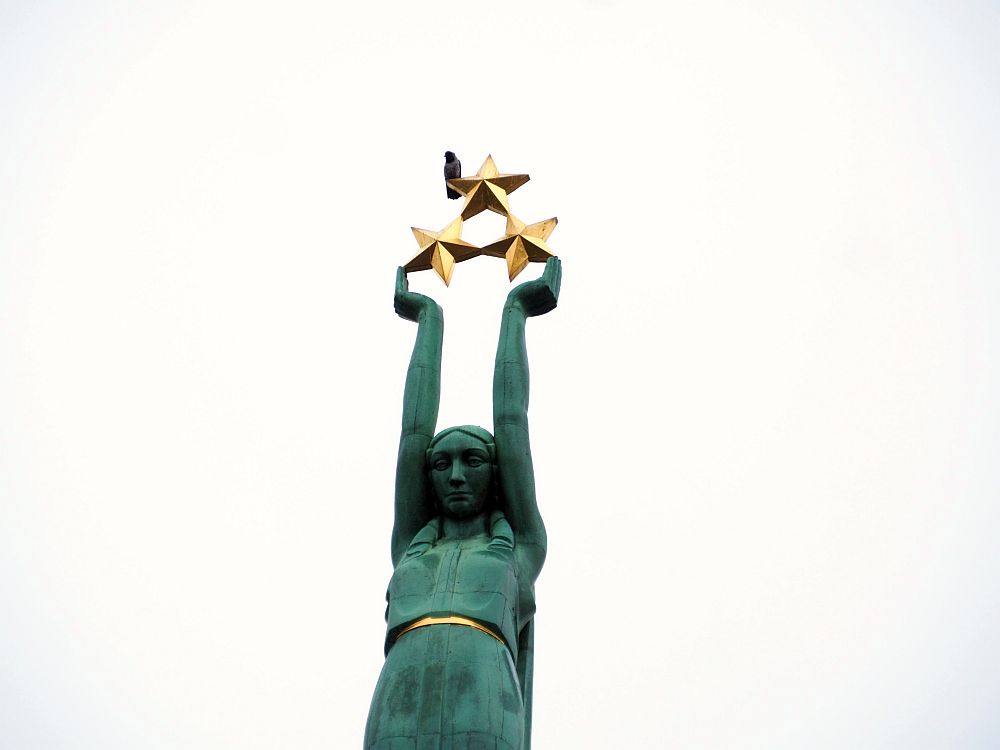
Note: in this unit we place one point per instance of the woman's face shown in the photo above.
(461, 475)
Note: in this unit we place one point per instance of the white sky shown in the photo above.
(765, 414)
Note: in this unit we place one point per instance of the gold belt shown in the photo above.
(450, 620)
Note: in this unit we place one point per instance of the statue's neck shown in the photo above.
(465, 528)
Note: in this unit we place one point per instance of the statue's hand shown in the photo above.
(410, 305)
(541, 295)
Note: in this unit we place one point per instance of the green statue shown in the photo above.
(467, 545)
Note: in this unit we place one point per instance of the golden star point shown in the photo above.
(487, 190)
(441, 250)
(522, 244)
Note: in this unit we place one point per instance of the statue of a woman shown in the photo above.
(467, 545)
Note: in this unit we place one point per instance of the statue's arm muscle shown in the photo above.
(421, 398)
(510, 414)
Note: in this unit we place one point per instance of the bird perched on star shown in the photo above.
(452, 169)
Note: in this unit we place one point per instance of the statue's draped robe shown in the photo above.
(452, 686)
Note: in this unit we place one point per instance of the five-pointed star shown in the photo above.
(522, 244)
(441, 250)
(487, 190)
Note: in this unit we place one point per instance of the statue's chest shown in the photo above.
(467, 576)
(454, 568)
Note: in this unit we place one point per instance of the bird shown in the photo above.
(452, 169)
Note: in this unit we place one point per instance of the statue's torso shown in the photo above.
(451, 685)
(474, 578)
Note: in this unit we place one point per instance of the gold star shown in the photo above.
(522, 244)
(487, 190)
(441, 250)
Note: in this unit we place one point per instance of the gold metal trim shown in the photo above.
(450, 620)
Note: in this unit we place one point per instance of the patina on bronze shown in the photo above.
(468, 543)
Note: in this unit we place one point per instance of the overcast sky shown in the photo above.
(765, 416)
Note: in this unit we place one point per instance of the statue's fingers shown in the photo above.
(550, 267)
(553, 274)
(402, 284)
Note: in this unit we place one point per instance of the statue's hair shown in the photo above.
(486, 438)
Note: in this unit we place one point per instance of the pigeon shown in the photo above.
(452, 169)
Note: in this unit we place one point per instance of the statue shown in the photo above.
(468, 543)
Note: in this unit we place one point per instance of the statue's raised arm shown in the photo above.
(414, 505)
(510, 415)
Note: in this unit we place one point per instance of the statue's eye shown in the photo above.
(475, 461)
(440, 465)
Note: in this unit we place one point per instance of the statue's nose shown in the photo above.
(457, 475)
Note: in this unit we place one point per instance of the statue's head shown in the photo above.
(461, 463)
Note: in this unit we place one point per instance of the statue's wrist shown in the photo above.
(514, 305)
(431, 312)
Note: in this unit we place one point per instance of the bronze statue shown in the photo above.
(467, 545)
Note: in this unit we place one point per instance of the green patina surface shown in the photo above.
(467, 541)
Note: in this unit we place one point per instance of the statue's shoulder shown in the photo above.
(501, 533)
(423, 540)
